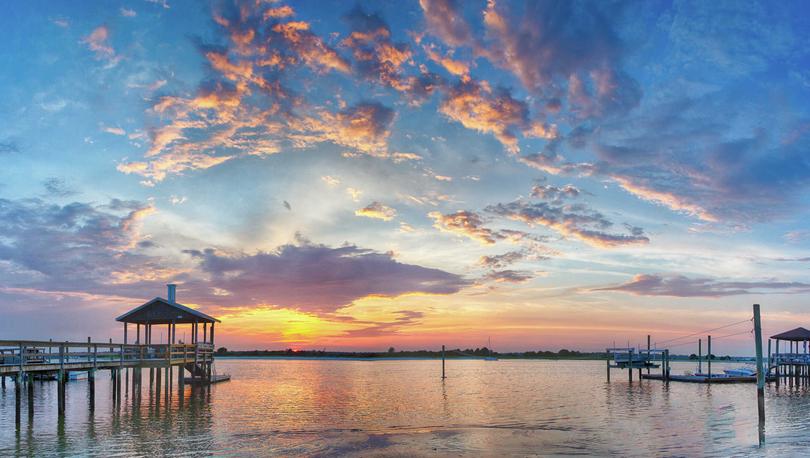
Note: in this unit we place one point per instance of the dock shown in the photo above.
(24, 361)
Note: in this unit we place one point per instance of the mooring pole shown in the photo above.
(648, 355)
(443, 376)
(709, 357)
(760, 374)
(700, 356)
(607, 360)
(630, 367)
(768, 369)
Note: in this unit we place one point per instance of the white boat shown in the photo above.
(77, 375)
(740, 372)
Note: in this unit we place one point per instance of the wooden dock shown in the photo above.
(704, 379)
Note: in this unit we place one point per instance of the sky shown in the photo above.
(360, 175)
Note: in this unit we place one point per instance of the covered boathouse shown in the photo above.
(795, 361)
(168, 312)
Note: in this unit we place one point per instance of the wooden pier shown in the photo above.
(24, 360)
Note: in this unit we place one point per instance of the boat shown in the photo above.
(78, 375)
(741, 372)
(490, 357)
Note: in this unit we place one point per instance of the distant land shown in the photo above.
(469, 353)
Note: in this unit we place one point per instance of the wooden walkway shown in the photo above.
(30, 356)
(23, 360)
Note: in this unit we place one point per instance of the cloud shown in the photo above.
(555, 194)
(445, 20)
(797, 236)
(127, 12)
(8, 146)
(577, 221)
(99, 42)
(115, 130)
(378, 211)
(57, 187)
(721, 175)
(406, 318)
(500, 261)
(316, 278)
(330, 180)
(509, 276)
(681, 286)
(562, 49)
(365, 127)
(466, 223)
(476, 106)
(72, 246)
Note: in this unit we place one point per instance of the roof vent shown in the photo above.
(172, 293)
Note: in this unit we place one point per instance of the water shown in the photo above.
(327, 407)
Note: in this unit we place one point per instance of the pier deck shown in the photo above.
(30, 356)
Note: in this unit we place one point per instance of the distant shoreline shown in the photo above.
(477, 354)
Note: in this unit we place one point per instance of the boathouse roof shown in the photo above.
(797, 335)
(162, 311)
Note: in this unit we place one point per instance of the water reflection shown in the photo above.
(357, 407)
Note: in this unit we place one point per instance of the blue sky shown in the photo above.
(359, 175)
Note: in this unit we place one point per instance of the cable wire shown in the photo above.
(703, 332)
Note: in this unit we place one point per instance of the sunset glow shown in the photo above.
(359, 176)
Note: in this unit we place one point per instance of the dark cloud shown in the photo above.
(72, 246)
(718, 175)
(578, 221)
(314, 278)
(681, 286)
(555, 193)
(509, 276)
(500, 261)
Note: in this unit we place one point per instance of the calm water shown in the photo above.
(311, 407)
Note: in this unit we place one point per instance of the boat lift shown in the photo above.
(635, 358)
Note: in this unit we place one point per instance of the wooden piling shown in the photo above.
(648, 357)
(443, 375)
(709, 357)
(630, 367)
(760, 375)
(700, 356)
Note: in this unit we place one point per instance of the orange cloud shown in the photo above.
(378, 211)
(476, 106)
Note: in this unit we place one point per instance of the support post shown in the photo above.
(630, 367)
(443, 377)
(709, 357)
(700, 356)
(607, 360)
(648, 356)
(212, 334)
(125, 332)
(760, 374)
(666, 370)
(60, 391)
(768, 371)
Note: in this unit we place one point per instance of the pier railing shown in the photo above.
(31, 355)
(791, 358)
